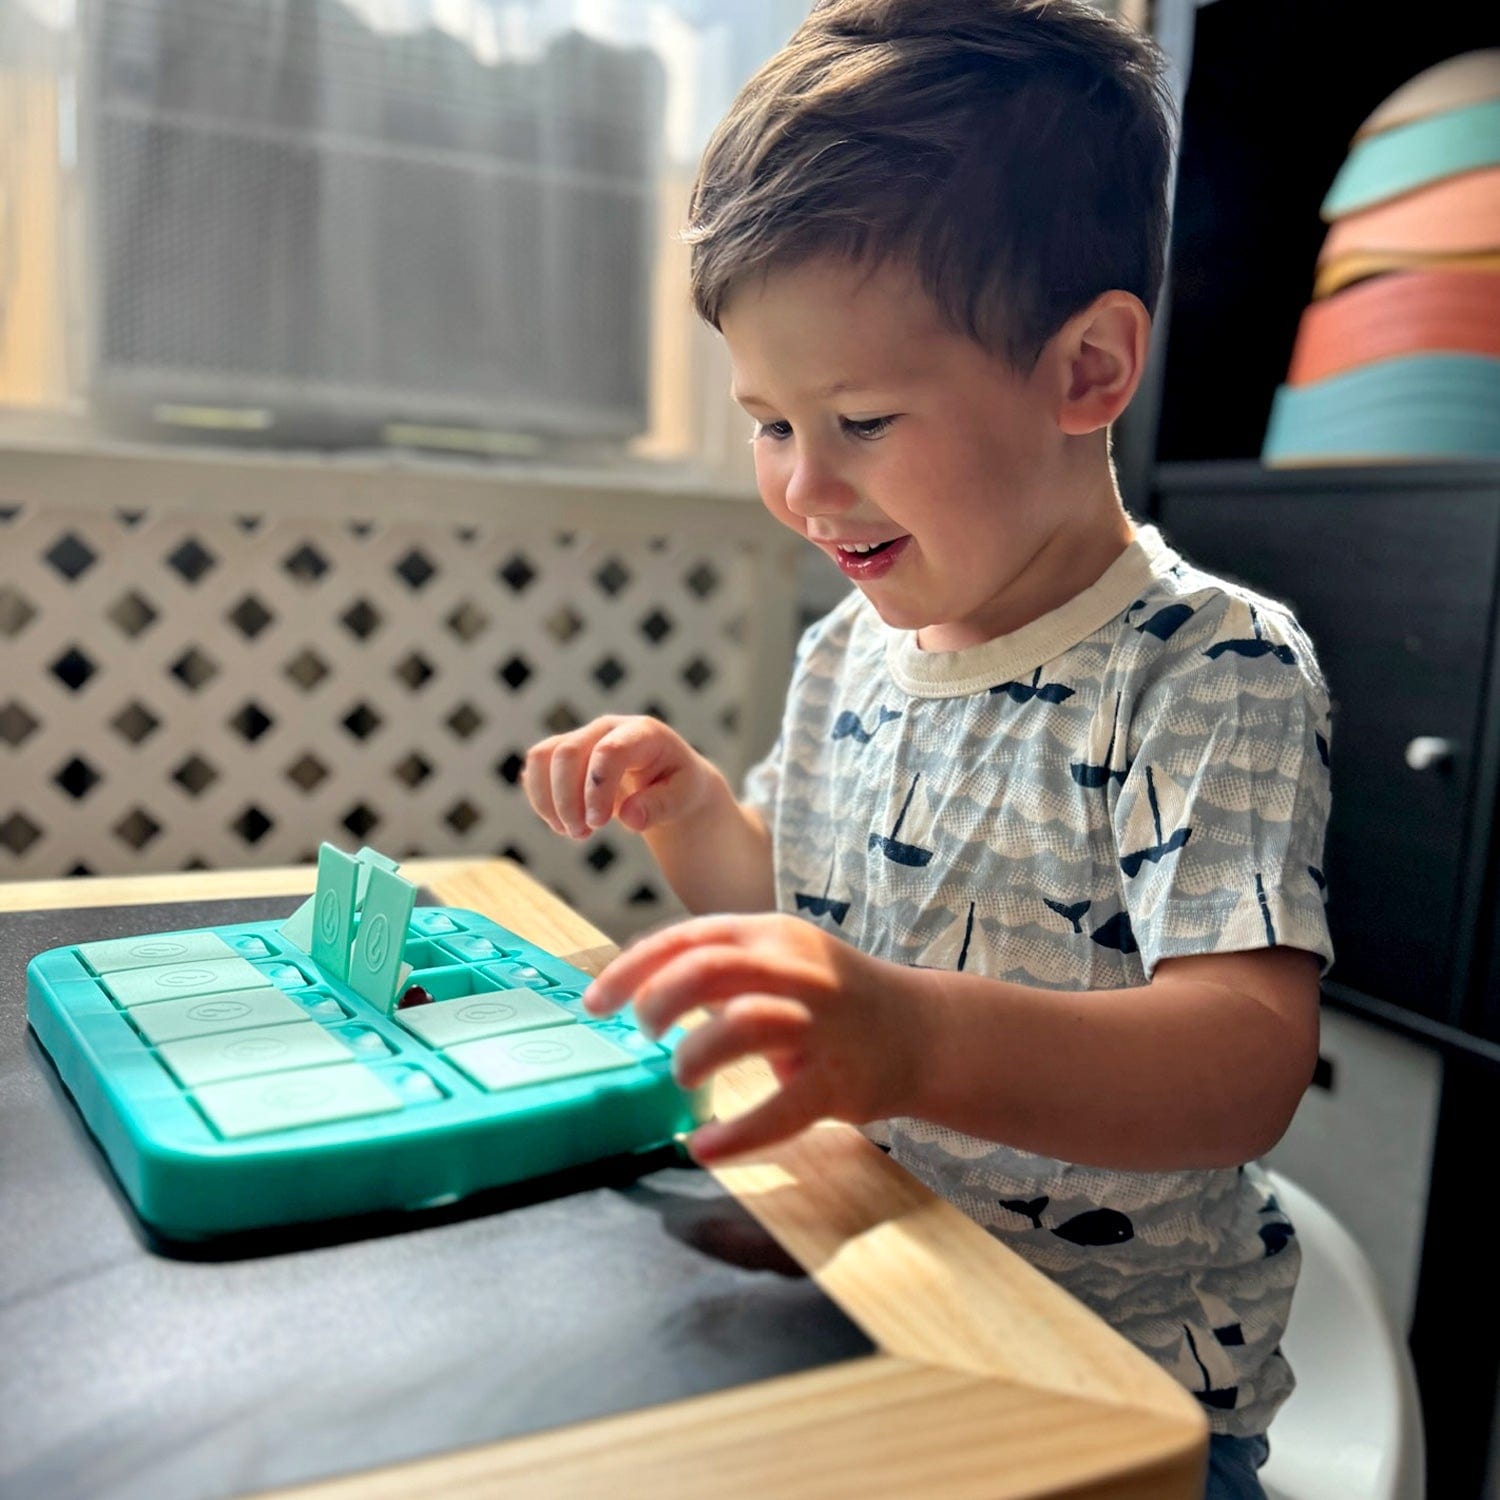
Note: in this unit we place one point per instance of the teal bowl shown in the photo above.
(1430, 406)
(1398, 161)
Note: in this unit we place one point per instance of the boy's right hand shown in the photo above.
(633, 768)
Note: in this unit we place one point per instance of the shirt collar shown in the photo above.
(1007, 658)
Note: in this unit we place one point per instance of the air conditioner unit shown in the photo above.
(304, 229)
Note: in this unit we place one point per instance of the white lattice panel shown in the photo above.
(200, 688)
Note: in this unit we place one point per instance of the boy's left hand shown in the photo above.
(838, 1027)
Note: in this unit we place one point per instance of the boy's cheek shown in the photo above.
(772, 472)
(776, 504)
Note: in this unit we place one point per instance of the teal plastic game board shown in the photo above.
(364, 1055)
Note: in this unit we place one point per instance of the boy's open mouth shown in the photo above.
(869, 562)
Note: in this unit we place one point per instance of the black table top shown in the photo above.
(132, 1370)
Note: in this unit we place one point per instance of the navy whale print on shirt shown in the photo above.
(847, 725)
(1098, 1226)
(1275, 1234)
(1116, 933)
(1024, 692)
(1072, 913)
(1166, 622)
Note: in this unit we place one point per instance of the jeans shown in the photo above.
(1232, 1463)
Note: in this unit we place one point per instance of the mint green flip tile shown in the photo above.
(507, 1062)
(152, 950)
(298, 928)
(209, 1015)
(472, 1016)
(376, 962)
(333, 922)
(284, 1101)
(172, 981)
(242, 1054)
(368, 860)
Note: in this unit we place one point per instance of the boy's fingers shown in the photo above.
(642, 809)
(753, 1024)
(632, 747)
(569, 761)
(710, 975)
(567, 794)
(629, 970)
(784, 1114)
(536, 781)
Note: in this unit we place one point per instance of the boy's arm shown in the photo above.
(1202, 1067)
(719, 858)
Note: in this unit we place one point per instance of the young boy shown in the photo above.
(1032, 872)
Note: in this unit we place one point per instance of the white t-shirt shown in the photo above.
(1142, 773)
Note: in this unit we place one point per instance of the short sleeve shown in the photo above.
(762, 781)
(758, 790)
(1221, 818)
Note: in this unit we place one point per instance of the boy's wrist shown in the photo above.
(715, 854)
(913, 1006)
(946, 1053)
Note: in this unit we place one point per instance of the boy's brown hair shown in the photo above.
(1014, 152)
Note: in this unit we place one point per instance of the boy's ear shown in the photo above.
(1101, 354)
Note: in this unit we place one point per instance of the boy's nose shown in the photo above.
(815, 489)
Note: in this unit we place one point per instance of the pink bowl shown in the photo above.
(1450, 217)
(1420, 312)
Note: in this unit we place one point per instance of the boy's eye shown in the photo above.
(867, 428)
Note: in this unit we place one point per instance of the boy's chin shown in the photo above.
(897, 614)
(939, 637)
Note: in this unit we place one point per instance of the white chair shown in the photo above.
(1352, 1430)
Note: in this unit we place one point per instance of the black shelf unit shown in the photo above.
(1394, 570)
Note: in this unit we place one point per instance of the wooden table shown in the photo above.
(989, 1381)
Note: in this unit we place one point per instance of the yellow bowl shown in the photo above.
(1363, 264)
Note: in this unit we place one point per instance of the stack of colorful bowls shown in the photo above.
(1398, 356)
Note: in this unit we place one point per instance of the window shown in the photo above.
(442, 224)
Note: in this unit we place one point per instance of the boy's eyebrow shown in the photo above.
(745, 398)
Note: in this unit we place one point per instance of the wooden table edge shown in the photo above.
(875, 1427)
(973, 1323)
